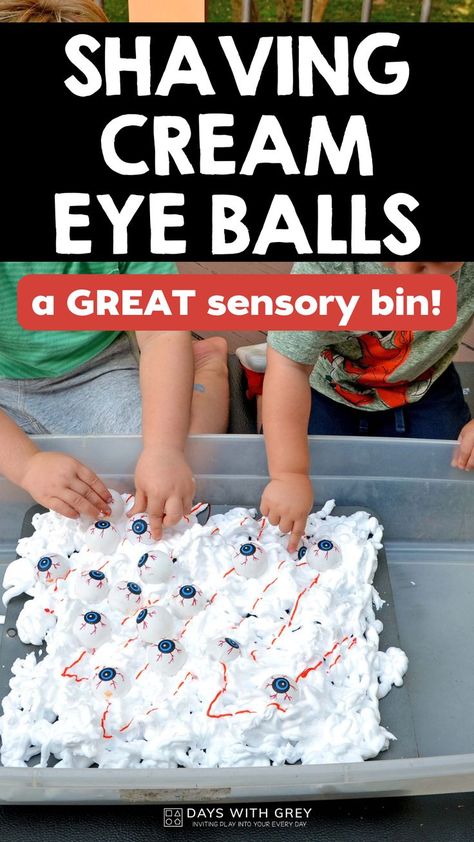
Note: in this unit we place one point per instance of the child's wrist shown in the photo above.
(281, 475)
(160, 448)
(23, 464)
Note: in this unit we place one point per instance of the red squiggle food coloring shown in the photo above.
(67, 674)
(141, 671)
(188, 675)
(102, 723)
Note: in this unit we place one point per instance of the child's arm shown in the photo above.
(288, 498)
(163, 479)
(464, 455)
(55, 480)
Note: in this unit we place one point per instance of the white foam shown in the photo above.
(315, 631)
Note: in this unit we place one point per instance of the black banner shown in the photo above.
(354, 144)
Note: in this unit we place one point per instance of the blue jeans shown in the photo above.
(440, 414)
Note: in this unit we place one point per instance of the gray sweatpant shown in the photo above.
(100, 397)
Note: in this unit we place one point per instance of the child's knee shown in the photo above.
(211, 355)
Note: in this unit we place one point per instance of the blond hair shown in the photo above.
(51, 11)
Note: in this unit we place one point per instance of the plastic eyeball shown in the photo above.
(224, 649)
(117, 506)
(91, 586)
(167, 657)
(110, 683)
(52, 567)
(92, 629)
(188, 601)
(250, 560)
(155, 568)
(126, 597)
(302, 552)
(324, 555)
(280, 689)
(103, 536)
(138, 530)
(154, 624)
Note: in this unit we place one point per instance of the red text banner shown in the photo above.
(237, 302)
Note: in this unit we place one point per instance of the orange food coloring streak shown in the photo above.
(295, 608)
(307, 671)
(218, 695)
(279, 634)
(130, 640)
(264, 523)
(102, 723)
(184, 628)
(276, 705)
(141, 671)
(182, 682)
(270, 584)
(67, 674)
(197, 507)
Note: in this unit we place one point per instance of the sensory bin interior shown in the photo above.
(212, 647)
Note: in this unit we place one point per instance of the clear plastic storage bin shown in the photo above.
(427, 509)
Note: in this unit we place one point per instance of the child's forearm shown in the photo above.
(286, 408)
(166, 380)
(16, 450)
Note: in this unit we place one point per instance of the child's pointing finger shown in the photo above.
(140, 504)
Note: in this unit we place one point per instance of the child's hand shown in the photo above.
(65, 485)
(287, 502)
(164, 488)
(464, 454)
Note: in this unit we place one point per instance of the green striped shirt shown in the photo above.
(26, 354)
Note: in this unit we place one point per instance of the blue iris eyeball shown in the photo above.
(92, 617)
(143, 560)
(232, 643)
(141, 616)
(97, 575)
(166, 646)
(44, 564)
(107, 674)
(301, 553)
(325, 545)
(134, 588)
(102, 524)
(248, 549)
(139, 527)
(281, 685)
(187, 591)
